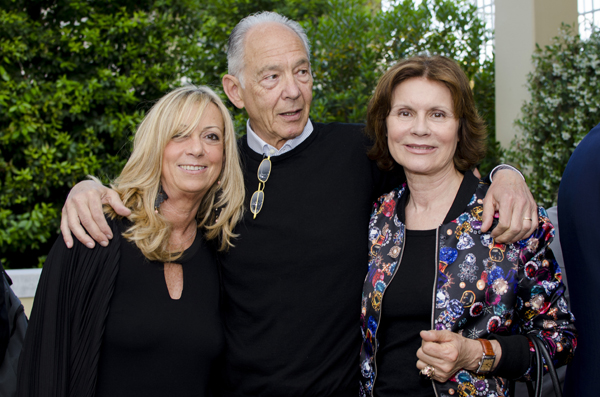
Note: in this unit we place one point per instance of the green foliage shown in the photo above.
(563, 108)
(76, 77)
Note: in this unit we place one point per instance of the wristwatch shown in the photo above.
(488, 358)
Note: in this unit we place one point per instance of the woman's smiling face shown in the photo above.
(193, 162)
(422, 129)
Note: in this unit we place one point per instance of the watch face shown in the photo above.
(487, 364)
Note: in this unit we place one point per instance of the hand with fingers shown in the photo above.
(82, 214)
(509, 198)
(443, 353)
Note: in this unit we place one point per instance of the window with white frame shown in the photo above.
(486, 12)
(589, 16)
(486, 9)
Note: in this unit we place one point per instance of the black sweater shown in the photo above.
(293, 281)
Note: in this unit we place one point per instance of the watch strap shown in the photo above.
(488, 358)
(488, 350)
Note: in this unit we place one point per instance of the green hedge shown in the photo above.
(77, 76)
(564, 103)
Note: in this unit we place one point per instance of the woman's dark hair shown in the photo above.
(472, 133)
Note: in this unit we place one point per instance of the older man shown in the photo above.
(292, 283)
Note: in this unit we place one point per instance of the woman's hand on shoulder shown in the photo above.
(83, 209)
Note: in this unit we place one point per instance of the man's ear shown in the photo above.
(232, 87)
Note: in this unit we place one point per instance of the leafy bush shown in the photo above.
(563, 108)
(77, 76)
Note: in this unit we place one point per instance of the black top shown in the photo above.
(154, 345)
(293, 280)
(405, 311)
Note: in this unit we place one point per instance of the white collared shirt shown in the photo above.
(261, 147)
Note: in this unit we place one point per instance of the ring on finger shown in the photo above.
(526, 219)
(428, 371)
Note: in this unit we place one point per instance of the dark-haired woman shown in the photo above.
(437, 286)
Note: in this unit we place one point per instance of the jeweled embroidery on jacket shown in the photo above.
(483, 288)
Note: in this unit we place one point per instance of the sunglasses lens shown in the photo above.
(264, 170)
(256, 202)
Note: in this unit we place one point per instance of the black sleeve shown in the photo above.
(3, 317)
(515, 356)
(386, 181)
(63, 340)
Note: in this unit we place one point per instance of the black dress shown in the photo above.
(104, 324)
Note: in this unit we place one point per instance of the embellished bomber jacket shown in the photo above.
(481, 289)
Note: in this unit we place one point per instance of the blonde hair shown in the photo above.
(139, 183)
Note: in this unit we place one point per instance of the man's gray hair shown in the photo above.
(235, 50)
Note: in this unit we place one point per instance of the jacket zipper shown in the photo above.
(435, 279)
(382, 295)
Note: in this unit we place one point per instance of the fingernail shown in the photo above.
(110, 236)
(90, 245)
(104, 243)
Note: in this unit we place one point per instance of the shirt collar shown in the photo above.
(261, 147)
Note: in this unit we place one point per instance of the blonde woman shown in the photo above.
(141, 316)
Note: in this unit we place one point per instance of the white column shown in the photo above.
(519, 25)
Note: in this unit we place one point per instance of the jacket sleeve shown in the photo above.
(62, 345)
(541, 304)
(3, 317)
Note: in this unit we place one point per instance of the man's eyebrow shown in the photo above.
(268, 67)
(302, 61)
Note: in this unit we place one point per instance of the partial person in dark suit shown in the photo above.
(578, 209)
(3, 319)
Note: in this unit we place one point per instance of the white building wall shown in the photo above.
(519, 25)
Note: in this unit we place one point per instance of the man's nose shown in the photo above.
(291, 89)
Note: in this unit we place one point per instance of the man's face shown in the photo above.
(277, 83)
